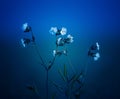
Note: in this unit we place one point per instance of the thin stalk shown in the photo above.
(51, 64)
(43, 64)
(47, 68)
(70, 63)
(47, 85)
(36, 48)
(85, 66)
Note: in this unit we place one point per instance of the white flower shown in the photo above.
(23, 42)
(98, 46)
(60, 42)
(59, 53)
(53, 30)
(65, 52)
(69, 39)
(54, 53)
(97, 56)
(63, 31)
(26, 27)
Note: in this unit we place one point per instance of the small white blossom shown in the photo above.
(60, 42)
(98, 46)
(26, 27)
(59, 53)
(64, 52)
(63, 31)
(54, 53)
(23, 42)
(97, 56)
(53, 30)
(69, 39)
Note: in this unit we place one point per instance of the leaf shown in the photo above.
(80, 82)
(33, 88)
(60, 89)
(62, 75)
(74, 79)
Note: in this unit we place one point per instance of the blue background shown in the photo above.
(88, 21)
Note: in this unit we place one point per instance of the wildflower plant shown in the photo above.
(62, 39)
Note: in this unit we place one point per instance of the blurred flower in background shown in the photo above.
(26, 27)
(65, 52)
(25, 41)
(97, 56)
(93, 51)
(98, 46)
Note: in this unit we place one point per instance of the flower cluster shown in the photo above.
(61, 41)
(59, 53)
(27, 41)
(55, 31)
(93, 51)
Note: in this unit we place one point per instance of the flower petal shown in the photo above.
(23, 42)
(98, 46)
(97, 56)
(63, 31)
(60, 42)
(26, 27)
(53, 30)
(54, 53)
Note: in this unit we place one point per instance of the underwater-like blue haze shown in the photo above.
(87, 21)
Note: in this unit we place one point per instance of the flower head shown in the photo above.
(65, 52)
(63, 31)
(25, 41)
(53, 30)
(26, 27)
(69, 39)
(60, 42)
(95, 47)
(97, 56)
(59, 53)
(56, 52)
(93, 51)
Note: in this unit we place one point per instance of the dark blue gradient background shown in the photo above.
(88, 21)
